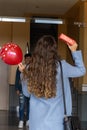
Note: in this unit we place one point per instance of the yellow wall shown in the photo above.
(83, 38)
(78, 14)
(83, 34)
(20, 36)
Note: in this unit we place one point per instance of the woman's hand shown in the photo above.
(21, 67)
(73, 47)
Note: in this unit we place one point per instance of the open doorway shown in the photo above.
(37, 30)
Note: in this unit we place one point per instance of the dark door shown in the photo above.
(37, 30)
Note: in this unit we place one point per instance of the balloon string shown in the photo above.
(0, 51)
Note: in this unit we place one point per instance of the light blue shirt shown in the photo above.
(48, 114)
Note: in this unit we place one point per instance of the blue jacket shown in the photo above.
(18, 85)
(48, 114)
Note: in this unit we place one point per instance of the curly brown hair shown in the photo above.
(42, 71)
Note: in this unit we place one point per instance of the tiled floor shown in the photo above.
(9, 121)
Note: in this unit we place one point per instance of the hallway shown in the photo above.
(9, 121)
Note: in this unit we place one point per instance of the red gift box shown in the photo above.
(66, 39)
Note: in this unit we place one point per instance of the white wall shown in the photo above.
(4, 87)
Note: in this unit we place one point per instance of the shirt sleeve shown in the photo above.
(24, 86)
(76, 70)
(17, 80)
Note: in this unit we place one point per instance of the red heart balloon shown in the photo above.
(11, 54)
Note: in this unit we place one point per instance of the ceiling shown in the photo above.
(21, 8)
